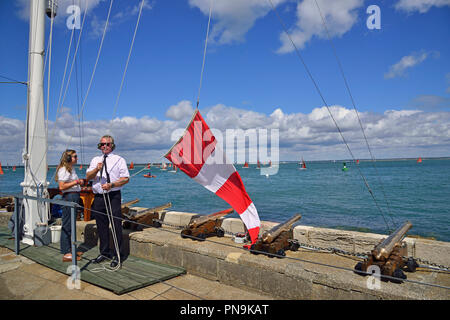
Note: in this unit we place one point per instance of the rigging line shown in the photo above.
(64, 74)
(12, 80)
(73, 59)
(128, 59)
(204, 53)
(80, 57)
(98, 57)
(341, 69)
(70, 76)
(78, 105)
(78, 94)
(329, 111)
(49, 77)
(276, 255)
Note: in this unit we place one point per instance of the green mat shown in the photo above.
(135, 272)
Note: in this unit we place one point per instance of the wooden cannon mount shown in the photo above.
(7, 203)
(201, 227)
(148, 217)
(277, 240)
(390, 257)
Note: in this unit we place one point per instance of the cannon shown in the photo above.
(390, 257)
(202, 227)
(125, 207)
(147, 217)
(276, 241)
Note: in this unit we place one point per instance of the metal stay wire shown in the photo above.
(97, 59)
(94, 69)
(279, 256)
(341, 69)
(61, 102)
(128, 59)
(204, 53)
(329, 111)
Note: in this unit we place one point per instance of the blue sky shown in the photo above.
(399, 75)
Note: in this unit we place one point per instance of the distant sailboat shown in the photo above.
(302, 165)
(1, 170)
(258, 165)
(14, 168)
(164, 166)
(245, 165)
(131, 165)
(419, 160)
(174, 169)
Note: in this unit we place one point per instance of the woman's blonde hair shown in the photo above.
(64, 162)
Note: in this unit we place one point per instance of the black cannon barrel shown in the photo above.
(384, 249)
(271, 234)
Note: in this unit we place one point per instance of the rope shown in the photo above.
(48, 79)
(341, 69)
(110, 216)
(70, 76)
(329, 111)
(128, 59)
(97, 59)
(64, 74)
(270, 254)
(11, 80)
(204, 54)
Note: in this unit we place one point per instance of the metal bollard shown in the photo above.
(73, 233)
(16, 226)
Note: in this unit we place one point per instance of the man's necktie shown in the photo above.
(106, 169)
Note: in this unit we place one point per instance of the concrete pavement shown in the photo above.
(23, 279)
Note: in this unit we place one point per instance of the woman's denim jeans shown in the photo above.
(65, 241)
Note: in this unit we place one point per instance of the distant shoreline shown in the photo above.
(281, 162)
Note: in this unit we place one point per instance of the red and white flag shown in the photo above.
(197, 154)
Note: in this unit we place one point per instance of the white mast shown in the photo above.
(35, 153)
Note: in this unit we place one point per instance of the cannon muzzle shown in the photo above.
(384, 249)
(270, 235)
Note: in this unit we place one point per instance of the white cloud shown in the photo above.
(116, 18)
(406, 62)
(61, 15)
(231, 19)
(421, 6)
(96, 24)
(339, 16)
(394, 133)
(180, 111)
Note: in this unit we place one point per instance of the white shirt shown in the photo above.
(117, 168)
(66, 176)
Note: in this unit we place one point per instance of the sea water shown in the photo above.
(323, 194)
